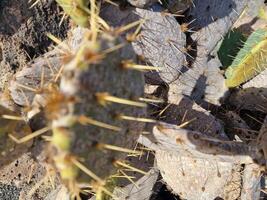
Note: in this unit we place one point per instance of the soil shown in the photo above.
(23, 33)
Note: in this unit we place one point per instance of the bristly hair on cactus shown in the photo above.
(250, 60)
(230, 46)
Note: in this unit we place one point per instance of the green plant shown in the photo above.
(230, 46)
(77, 10)
(250, 60)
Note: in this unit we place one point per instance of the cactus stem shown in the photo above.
(104, 97)
(97, 185)
(30, 136)
(131, 37)
(89, 121)
(103, 23)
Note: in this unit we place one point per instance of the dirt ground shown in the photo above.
(23, 33)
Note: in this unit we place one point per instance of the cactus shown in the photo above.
(230, 46)
(93, 113)
(86, 91)
(250, 60)
(94, 110)
(80, 13)
(77, 10)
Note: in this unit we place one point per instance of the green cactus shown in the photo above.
(250, 60)
(77, 10)
(230, 46)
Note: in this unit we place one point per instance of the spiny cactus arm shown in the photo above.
(162, 43)
(160, 40)
(251, 98)
(250, 60)
(237, 128)
(229, 46)
(182, 109)
(94, 130)
(98, 68)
